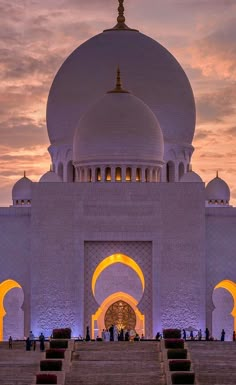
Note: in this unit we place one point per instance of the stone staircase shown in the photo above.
(17, 366)
(122, 363)
(214, 362)
(116, 363)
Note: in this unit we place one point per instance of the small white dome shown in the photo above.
(22, 189)
(217, 190)
(191, 177)
(50, 176)
(119, 128)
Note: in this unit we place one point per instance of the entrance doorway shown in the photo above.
(110, 312)
(122, 315)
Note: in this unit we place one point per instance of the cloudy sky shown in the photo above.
(37, 35)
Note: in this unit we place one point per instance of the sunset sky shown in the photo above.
(36, 36)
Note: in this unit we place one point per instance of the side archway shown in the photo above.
(5, 287)
(224, 314)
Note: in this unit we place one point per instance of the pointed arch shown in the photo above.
(230, 286)
(117, 258)
(97, 319)
(5, 287)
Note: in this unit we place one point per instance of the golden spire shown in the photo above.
(118, 88)
(217, 174)
(24, 174)
(120, 26)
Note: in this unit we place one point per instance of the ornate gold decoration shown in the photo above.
(120, 26)
(118, 88)
(122, 315)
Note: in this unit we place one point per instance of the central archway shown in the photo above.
(98, 319)
(117, 258)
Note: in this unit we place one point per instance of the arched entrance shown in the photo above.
(117, 285)
(98, 319)
(117, 258)
(5, 287)
(224, 314)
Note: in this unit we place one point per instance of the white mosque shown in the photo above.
(120, 230)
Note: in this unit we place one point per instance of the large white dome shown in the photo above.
(118, 128)
(151, 73)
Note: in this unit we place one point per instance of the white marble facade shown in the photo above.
(121, 215)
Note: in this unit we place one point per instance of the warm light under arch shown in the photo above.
(116, 297)
(5, 286)
(230, 286)
(117, 258)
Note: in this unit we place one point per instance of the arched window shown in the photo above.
(128, 177)
(22, 201)
(170, 172)
(147, 175)
(60, 170)
(138, 174)
(98, 174)
(17, 202)
(108, 174)
(118, 174)
(181, 170)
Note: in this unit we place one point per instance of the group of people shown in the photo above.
(199, 335)
(114, 334)
(31, 342)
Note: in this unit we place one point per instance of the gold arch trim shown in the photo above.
(117, 258)
(5, 287)
(230, 286)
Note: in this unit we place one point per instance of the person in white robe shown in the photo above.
(116, 333)
(107, 336)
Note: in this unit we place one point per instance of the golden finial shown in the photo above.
(118, 88)
(121, 19)
(217, 174)
(24, 174)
